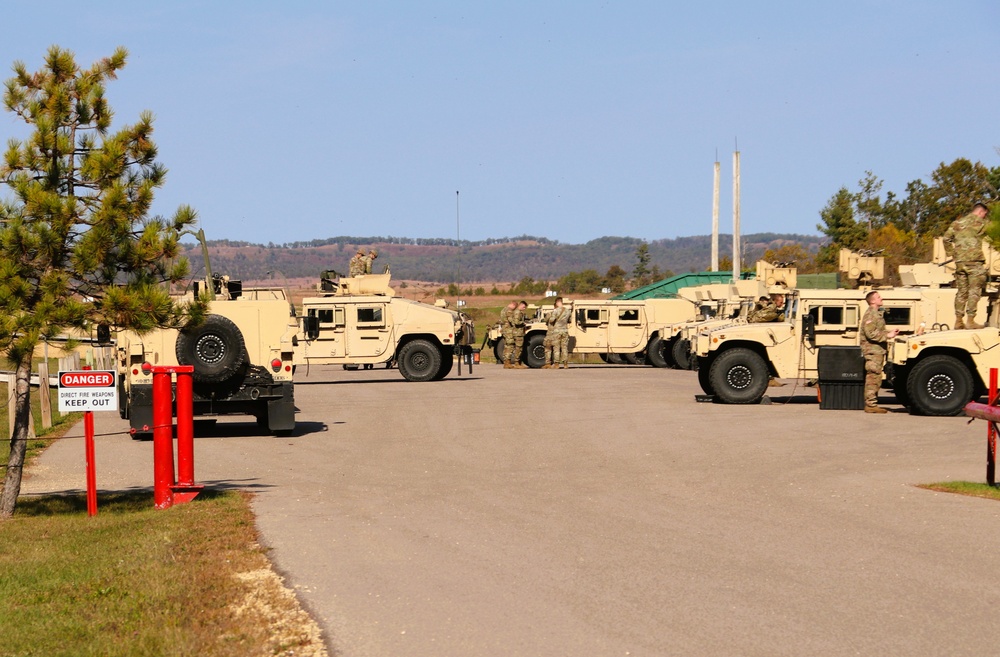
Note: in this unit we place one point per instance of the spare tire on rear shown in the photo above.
(215, 348)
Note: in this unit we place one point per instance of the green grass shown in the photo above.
(134, 580)
(60, 423)
(971, 488)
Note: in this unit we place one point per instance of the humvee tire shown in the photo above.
(419, 360)
(447, 363)
(703, 381)
(534, 351)
(498, 347)
(939, 385)
(215, 348)
(680, 350)
(656, 352)
(638, 358)
(739, 376)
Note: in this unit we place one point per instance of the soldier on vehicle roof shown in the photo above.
(357, 265)
(369, 260)
(964, 241)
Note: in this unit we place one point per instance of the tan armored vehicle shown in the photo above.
(732, 303)
(641, 330)
(242, 356)
(360, 321)
(940, 371)
(736, 361)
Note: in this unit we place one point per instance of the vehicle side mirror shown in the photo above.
(809, 328)
(310, 326)
(103, 335)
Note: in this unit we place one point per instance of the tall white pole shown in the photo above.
(715, 217)
(736, 215)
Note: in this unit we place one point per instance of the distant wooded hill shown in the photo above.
(507, 259)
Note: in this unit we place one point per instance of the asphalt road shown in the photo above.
(602, 511)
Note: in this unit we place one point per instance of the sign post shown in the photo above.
(88, 391)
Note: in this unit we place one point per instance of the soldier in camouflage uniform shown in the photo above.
(517, 320)
(557, 336)
(357, 266)
(769, 310)
(368, 260)
(874, 335)
(964, 239)
(507, 331)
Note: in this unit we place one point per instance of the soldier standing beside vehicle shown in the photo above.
(557, 336)
(357, 265)
(507, 331)
(874, 335)
(964, 239)
(517, 319)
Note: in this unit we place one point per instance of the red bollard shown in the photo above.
(163, 441)
(991, 413)
(185, 489)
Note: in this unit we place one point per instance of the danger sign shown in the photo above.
(86, 379)
(87, 391)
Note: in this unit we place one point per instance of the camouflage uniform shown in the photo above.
(557, 335)
(368, 260)
(517, 318)
(767, 311)
(873, 346)
(965, 237)
(507, 331)
(357, 267)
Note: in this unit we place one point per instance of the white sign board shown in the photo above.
(88, 390)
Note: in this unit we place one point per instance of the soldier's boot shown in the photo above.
(564, 366)
(971, 323)
(507, 365)
(875, 409)
(546, 366)
(959, 322)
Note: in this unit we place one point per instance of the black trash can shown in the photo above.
(841, 378)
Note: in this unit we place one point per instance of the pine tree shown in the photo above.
(77, 247)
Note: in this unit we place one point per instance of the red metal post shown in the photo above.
(991, 434)
(88, 439)
(185, 489)
(163, 442)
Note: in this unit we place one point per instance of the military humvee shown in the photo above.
(733, 302)
(242, 356)
(736, 361)
(360, 321)
(939, 371)
(641, 331)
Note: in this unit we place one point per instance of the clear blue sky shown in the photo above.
(570, 120)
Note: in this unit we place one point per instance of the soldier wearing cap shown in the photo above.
(518, 319)
(557, 336)
(357, 266)
(768, 310)
(369, 259)
(964, 242)
(507, 331)
(874, 337)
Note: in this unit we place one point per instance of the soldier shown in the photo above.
(357, 266)
(368, 261)
(507, 331)
(768, 310)
(874, 335)
(964, 240)
(557, 334)
(517, 320)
